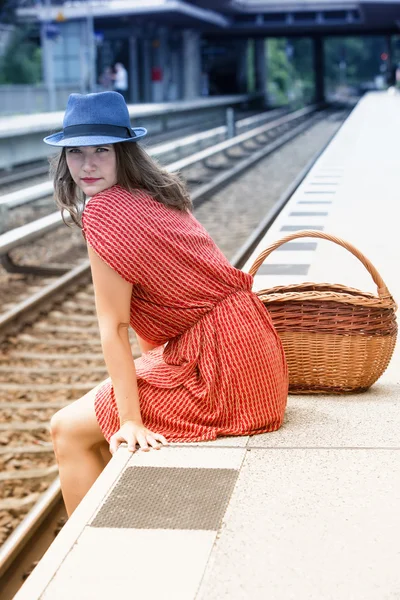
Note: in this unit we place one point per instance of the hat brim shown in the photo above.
(57, 139)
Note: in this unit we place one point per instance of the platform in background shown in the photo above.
(21, 137)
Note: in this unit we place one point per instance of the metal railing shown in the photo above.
(21, 135)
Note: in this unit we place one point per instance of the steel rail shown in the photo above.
(26, 311)
(22, 534)
(203, 191)
(240, 139)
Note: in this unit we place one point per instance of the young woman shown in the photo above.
(212, 364)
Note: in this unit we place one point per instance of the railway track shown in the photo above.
(52, 358)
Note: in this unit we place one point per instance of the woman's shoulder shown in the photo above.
(118, 200)
(118, 193)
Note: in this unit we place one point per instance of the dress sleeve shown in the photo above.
(109, 229)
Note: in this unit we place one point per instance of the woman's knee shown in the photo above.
(62, 431)
(75, 427)
(66, 432)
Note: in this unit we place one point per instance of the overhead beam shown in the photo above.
(79, 10)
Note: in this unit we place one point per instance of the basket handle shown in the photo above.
(383, 291)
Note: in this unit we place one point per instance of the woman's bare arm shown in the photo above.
(113, 297)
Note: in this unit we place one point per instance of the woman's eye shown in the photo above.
(102, 150)
(73, 151)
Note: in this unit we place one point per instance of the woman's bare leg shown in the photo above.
(80, 449)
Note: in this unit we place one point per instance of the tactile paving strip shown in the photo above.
(302, 213)
(283, 269)
(297, 247)
(168, 498)
(300, 227)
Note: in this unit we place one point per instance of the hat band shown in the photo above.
(93, 130)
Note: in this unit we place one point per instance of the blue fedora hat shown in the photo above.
(96, 119)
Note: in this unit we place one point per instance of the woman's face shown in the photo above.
(93, 168)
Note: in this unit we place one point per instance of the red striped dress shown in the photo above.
(219, 368)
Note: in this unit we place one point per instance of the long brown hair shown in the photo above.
(135, 170)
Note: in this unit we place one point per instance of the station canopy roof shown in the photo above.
(233, 17)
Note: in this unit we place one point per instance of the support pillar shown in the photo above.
(390, 71)
(319, 69)
(91, 50)
(48, 59)
(133, 70)
(160, 65)
(82, 59)
(147, 70)
(176, 81)
(242, 75)
(261, 69)
(191, 64)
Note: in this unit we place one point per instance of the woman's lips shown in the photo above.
(90, 179)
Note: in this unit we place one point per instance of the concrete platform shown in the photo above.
(308, 512)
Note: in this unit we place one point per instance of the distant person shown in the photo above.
(106, 79)
(121, 80)
(212, 363)
(397, 76)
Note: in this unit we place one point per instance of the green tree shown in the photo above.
(290, 71)
(278, 70)
(303, 65)
(21, 61)
(349, 61)
(353, 60)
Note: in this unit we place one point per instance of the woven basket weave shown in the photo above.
(336, 339)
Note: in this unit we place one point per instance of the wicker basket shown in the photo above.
(336, 339)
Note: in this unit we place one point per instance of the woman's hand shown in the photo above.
(136, 433)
